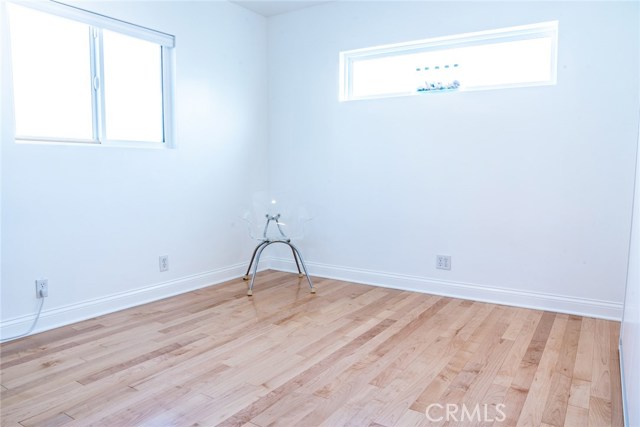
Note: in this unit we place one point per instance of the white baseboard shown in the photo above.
(470, 291)
(64, 315)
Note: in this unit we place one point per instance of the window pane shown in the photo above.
(132, 88)
(381, 76)
(51, 75)
(524, 61)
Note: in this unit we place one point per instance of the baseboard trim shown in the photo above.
(72, 313)
(64, 315)
(470, 291)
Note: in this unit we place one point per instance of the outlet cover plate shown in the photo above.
(164, 263)
(443, 262)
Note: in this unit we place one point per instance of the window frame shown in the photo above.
(500, 35)
(97, 23)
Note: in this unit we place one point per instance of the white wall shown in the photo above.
(630, 331)
(3, 121)
(93, 220)
(529, 190)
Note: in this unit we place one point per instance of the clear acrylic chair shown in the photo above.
(272, 219)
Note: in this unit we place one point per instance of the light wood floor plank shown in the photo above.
(556, 406)
(600, 376)
(580, 393)
(584, 357)
(351, 355)
(576, 417)
(534, 405)
(599, 412)
(518, 391)
(521, 343)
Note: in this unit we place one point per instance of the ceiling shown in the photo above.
(270, 8)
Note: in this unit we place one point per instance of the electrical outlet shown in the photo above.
(164, 262)
(42, 288)
(443, 262)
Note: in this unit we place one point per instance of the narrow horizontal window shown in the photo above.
(84, 77)
(507, 57)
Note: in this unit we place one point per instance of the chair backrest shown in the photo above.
(275, 217)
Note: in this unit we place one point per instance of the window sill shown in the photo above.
(92, 143)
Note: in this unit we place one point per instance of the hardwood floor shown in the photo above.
(351, 355)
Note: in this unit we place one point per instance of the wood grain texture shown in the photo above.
(351, 355)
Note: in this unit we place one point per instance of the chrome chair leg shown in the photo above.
(255, 266)
(295, 258)
(304, 267)
(253, 257)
